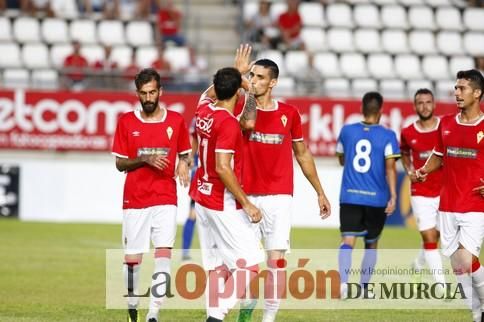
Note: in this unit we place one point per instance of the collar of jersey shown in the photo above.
(137, 113)
(419, 130)
(477, 121)
(215, 108)
(276, 107)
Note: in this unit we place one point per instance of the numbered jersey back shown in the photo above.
(365, 149)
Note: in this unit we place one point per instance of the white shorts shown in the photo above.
(466, 229)
(157, 223)
(275, 226)
(225, 237)
(426, 212)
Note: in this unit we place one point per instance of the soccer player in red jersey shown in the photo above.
(146, 144)
(268, 171)
(460, 152)
(416, 144)
(224, 212)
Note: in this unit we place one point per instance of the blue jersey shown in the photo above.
(365, 149)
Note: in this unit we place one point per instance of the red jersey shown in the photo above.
(78, 63)
(168, 22)
(218, 131)
(147, 186)
(419, 144)
(462, 149)
(268, 166)
(289, 20)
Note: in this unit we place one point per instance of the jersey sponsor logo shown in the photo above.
(169, 132)
(205, 187)
(284, 120)
(153, 151)
(266, 138)
(361, 192)
(480, 136)
(446, 132)
(135, 133)
(424, 155)
(413, 141)
(461, 153)
(204, 124)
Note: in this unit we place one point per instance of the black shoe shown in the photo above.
(152, 320)
(211, 319)
(482, 317)
(133, 315)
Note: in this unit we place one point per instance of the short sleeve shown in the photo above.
(240, 106)
(120, 142)
(184, 145)
(392, 148)
(439, 145)
(228, 135)
(296, 129)
(340, 149)
(404, 147)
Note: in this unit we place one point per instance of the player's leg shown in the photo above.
(136, 241)
(163, 231)
(188, 230)
(461, 260)
(375, 218)
(351, 226)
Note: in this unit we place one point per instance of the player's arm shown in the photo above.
(209, 93)
(243, 64)
(341, 159)
(391, 177)
(223, 167)
(306, 162)
(183, 168)
(434, 162)
(127, 164)
(408, 166)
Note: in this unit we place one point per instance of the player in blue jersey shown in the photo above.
(368, 152)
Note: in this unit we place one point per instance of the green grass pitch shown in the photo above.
(56, 272)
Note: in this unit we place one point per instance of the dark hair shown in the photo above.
(422, 91)
(372, 103)
(267, 63)
(146, 75)
(475, 78)
(226, 82)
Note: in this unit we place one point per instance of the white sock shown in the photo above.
(419, 261)
(478, 285)
(133, 300)
(157, 295)
(434, 261)
(271, 305)
(472, 298)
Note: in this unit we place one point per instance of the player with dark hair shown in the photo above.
(146, 144)
(368, 152)
(417, 141)
(460, 153)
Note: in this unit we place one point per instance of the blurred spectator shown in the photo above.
(107, 8)
(290, 25)
(40, 8)
(133, 9)
(480, 64)
(262, 28)
(75, 65)
(162, 66)
(106, 71)
(14, 4)
(309, 79)
(169, 23)
(194, 75)
(476, 3)
(64, 8)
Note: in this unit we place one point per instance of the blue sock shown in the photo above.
(367, 265)
(344, 261)
(188, 229)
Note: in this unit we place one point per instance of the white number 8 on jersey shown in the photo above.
(363, 149)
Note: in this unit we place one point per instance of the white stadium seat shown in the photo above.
(55, 31)
(474, 18)
(458, 63)
(296, 61)
(435, 67)
(58, 53)
(360, 87)
(278, 8)
(353, 65)
(313, 38)
(284, 86)
(139, 33)
(275, 56)
(448, 18)
(366, 16)
(84, 31)
(5, 29)
(439, 3)
(394, 41)
(408, 67)
(35, 56)
(312, 14)
(10, 55)
(444, 90)
(449, 43)
(250, 8)
(367, 40)
(340, 40)
(65, 8)
(421, 17)
(337, 88)
(415, 85)
(381, 66)
(422, 42)
(393, 89)
(410, 3)
(394, 16)
(111, 32)
(26, 29)
(474, 43)
(16, 78)
(179, 57)
(92, 53)
(339, 15)
(122, 56)
(327, 64)
(146, 55)
(45, 79)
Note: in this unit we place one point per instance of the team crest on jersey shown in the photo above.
(480, 136)
(169, 132)
(284, 120)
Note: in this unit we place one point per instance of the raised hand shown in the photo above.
(242, 58)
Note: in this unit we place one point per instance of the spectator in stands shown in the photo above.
(290, 25)
(133, 9)
(169, 23)
(106, 70)
(75, 65)
(309, 79)
(14, 5)
(480, 64)
(163, 66)
(40, 8)
(65, 8)
(261, 28)
(107, 8)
